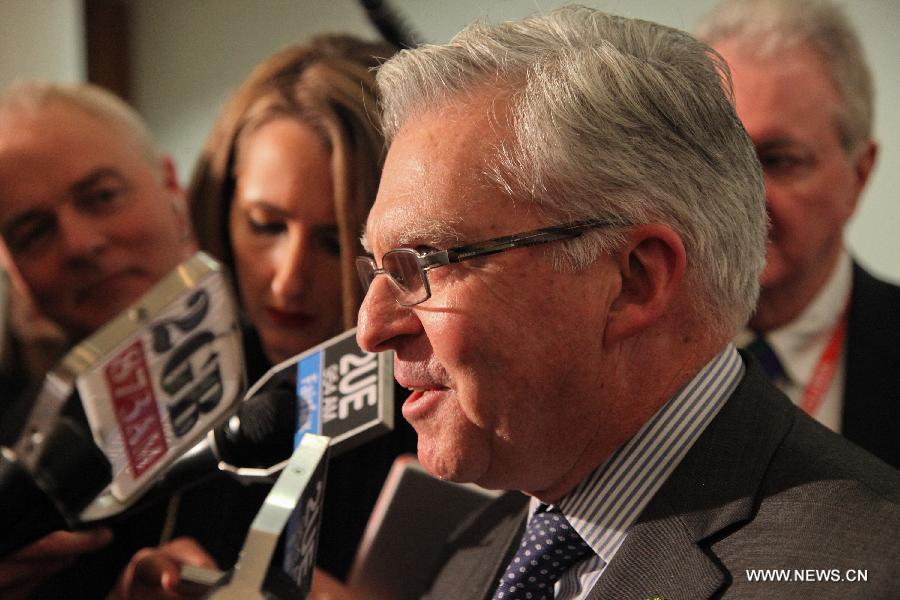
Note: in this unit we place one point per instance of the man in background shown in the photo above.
(92, 216)
(825, 330)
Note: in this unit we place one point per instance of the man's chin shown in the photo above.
(443, 467)
(469, 468)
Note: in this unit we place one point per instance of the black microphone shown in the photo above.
(47, 496)
(259, 435)
(389, 24)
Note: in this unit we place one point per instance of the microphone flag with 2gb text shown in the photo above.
(152, 382)
(169, 379)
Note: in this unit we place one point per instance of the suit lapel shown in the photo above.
(668, 550)
(659, 559)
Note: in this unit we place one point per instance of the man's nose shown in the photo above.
(382, 323)
(81, 236)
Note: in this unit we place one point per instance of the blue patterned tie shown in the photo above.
(549, 546)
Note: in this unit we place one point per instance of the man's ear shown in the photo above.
(179, 203)
(651, 266)
(863, 167)
(170, 175)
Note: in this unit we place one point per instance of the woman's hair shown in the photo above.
(329, 85)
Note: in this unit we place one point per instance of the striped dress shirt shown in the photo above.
(603, 506)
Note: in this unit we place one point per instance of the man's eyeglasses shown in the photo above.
(407, 269)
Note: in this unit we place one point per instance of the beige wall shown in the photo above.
(41, 39)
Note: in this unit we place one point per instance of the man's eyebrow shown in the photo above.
(82, 185)
(432, 232)
(426, 231)
(94, 177)
(778, 143)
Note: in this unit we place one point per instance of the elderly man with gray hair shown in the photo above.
(826, 330)
(568, 233)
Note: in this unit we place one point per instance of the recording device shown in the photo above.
(341, 394)
(165, 373)
(152, 382)
(254, 444)
(334, 389)
(297, 496)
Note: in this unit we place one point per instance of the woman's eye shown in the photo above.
(262, 227)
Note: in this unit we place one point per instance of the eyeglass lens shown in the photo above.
(402, 268)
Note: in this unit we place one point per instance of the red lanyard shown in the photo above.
(823, 374)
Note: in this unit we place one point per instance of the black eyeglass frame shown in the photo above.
(440, 258)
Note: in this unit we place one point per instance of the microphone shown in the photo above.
(43, 499)
(151, 382)
(259, 435)
(344, 397)
(389, 24)
(334, 389)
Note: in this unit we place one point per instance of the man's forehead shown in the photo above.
(438, 185)
(49, 154)
(409, 222)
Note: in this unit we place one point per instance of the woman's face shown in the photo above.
(284, 238)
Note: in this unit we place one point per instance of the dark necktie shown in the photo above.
(763, 352)
(549, 546)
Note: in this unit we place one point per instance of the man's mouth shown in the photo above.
(106, 286)
(421, 387)
(422, 400)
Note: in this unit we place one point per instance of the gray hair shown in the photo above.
(31, 97)
(612, 118)
(766, 28)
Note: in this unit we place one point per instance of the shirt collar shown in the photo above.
(603, 506)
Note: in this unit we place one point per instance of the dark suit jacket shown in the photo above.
(763, 487)
(872, 384)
